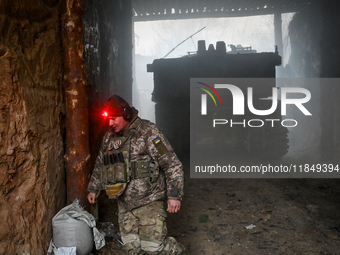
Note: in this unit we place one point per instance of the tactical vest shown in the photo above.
(117, 168)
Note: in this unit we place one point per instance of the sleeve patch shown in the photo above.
(161, 148)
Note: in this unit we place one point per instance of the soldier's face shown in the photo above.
(117, 123)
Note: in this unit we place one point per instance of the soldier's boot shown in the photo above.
(133, 248)
(172, 247)
(138, 251)
(181, 249)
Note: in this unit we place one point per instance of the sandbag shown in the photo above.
(61, 250)
(72, 227)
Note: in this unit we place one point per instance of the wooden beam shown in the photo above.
(76, 100)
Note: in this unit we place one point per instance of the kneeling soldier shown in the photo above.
(137, 166)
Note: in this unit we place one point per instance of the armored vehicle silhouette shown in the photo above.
(172, 97)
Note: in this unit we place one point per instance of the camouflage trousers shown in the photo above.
(143, 231)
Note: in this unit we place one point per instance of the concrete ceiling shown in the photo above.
(147, 10)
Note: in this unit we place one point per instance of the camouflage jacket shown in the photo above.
(140, 192)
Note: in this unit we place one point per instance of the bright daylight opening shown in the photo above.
(155, 39)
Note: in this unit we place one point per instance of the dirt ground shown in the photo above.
(289, 216)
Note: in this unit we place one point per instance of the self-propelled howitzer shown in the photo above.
(172, 97)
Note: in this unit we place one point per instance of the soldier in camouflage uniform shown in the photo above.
(154, 173)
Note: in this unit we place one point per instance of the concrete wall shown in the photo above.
(108, 57)
(32, 177)
(305, 36)
(315, 44)
(330, 67)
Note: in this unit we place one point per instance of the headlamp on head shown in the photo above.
(117, 106)
(105, 114)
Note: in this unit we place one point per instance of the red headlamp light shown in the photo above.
(105, 114)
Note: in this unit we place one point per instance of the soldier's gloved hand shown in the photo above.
(173, 206)
(91, 197)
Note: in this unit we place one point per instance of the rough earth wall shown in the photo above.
(32, 177)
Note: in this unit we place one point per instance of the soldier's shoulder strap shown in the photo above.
(132, 129)
(136, 125)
